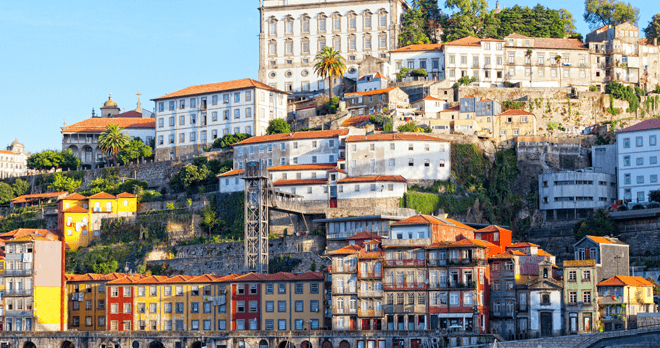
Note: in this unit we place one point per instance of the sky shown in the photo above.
(58, 60)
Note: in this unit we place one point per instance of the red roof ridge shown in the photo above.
(294, 136)
(102, 195)
(219, 87)
(374, 92)
(232, 172)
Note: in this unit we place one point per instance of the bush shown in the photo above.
(464, 81)
(597, 225)
(278, 126)
(407, 128)
(419, 73)
(333, 105)
(622, 92)
(593, 88)
(403, 73)
(509, 104)
(654, 196)
(64, 183)
(228, 140)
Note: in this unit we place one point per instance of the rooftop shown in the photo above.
(99, 124)
(516, 112)
(620, 280)
(366, 93)
(294, 136)
(653, 123)
(417, 48)
(347, 250)
(219, 87)
(390, 178)
(393, 136)
(422, 219)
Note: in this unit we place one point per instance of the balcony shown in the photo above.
(370, 275)
(344, 290)
(18, 292)
(344, 311)
(455, 285)
(406, 242)
(607, 299)
(18, 272)
(436, 262)
(396, 309)
(370, 312)
(370, 293)
(404, 286)
(405, 263)
(10, 313)
(344, 269)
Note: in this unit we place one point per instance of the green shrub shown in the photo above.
(229, 139)
(593, 88)
(419, 73)
(517, 105)
(407, 128)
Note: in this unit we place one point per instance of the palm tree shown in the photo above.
(329, 64)
(112, 140)
(528, 54)
(558, 60)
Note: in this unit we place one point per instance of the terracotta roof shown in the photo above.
(544, 253)
(620, 280)
(393, 136)
(390, 178)
(24, 198)
(605, 240)
(294, 136)
(355, 121)
(470, 41)
(579, 263)
(371, 254)
(415, 48)
(522, 245)
(318, 166)
(91, 277)
(219, 87)
(9, 153)
(102, 195)
(493, 228)
(126, 195)
(48, 237)
(365, 235)
(347, 250)
(422, 219)
(377, 75)
(365, 93)
(570, 44)
(430, 97)
(515, 112)
(74, 197)
(131, 113)
(127, 280)
(336, 170)
(232, 172)
(453, 108)
(652, 123)
(517, 36)
(300, 182)
(472, 242)
(99, 124)
(76, 209)
(439, 245)
(22, 232)
(508, 254)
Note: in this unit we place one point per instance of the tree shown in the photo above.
(652, 31)
(50, 159)
(69, 160)
(599, 224)
(64, 183)
(329, 64)
(414, 28)
(471, 18)
(229, 139)
(538, 21)
(188, 177)
(6, 193)
(278, 126)
(105, 267)
(464, 81)
(136, 149)
(403, 73)
(654, 196)
(20, 187)
(113, 140)
(408, 127)
(609, 12)
(209, 218)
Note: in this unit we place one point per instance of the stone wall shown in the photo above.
(156, 174)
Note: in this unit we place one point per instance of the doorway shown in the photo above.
(546, 324)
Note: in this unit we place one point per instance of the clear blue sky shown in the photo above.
(61, 59)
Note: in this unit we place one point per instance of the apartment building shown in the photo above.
(621, 299)
(372, 82)
(482, 59)
(292, 33)
(429, 57)
(376, 101)
(191, 119)
(611, 255)
(344, 287)
(119, 303)
(580, 296)
(637, 153)
(292, 301)
(86, 300)
(79, 218)
(430, 106)
(13, 161)
(34, 297)
(36, 199)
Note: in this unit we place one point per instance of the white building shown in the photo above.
(473, 57)
(191, 119)
(545, 302)
(428, 57)
(294, 31)
(13, 162)
(372, 82)
(638, 168)
(412, 156)
(430, 106)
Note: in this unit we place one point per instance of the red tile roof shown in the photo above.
(653, 123)
(131, 113)
(377, 75)
(22, 232)
(470, 41)
(219, 87)
(296, 182)
(294, 136)
(453, 108)
(415, 48)
(93, 277)
(522, 245)
(422, 219)
(25, 198)
(439, 245)
(126, 195)
(620, 280)
(606, 240)
(232, 172)
(516, 112)
(430, 97)
(365, 235)
(395, 178)
(336, 170)
(508, 254)
(318, 166)
(8, 152)
(76, 209)
(493, 228)
(472, 243)
(102, 195)
(365, 93)
(347, 250)
(543, 42)
(99, 124)
(393, 136)
(74, 197)
(544, 253)
(355, 121)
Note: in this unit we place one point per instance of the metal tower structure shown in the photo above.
(256, 217)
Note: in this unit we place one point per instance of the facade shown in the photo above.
(34, 298)
(119, 303)
(292, 302)
(374, 101)
(545, 302)
(612, 256)
(621, 298)
(371, 82)
(482, 59)
(86, 296)
(193, 118)
(13, 162)
(580, 297)
(36, 199)
(430, 106)
(637, 153)
(570, 195)
(344, 287)
(510, 124)
(293, 32)
(80, 217)
(429, 57)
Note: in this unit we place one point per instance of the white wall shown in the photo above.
(347, 190)
(231, 184)
(535, 307)
(406, 230)
(471, 52)
(318, 192)
(647, 171)
(595, 191)
(415, 59)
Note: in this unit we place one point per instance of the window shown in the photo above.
(253, 306)
(640, 161)
(652, 140)
(640, 179)
(281, 306)
(639, 141)
(299, 306)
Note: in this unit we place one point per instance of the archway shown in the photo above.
(29, 344)
(305, 344)
(344, 344)
(286, 344)
(263, 344)
(135, 344)
(74, 149)
(67, 344)
(156, 344)
(326, 344)
(196, 344)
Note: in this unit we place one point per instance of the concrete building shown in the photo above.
(571, 195)
(429, 57)
(374, 101)
(293, 32)
(472, 57)
(34, 282)
(372, 82)
(86, 296)
(637, 154)
(621, 299)
(430, 106)
(13, 162)
(604, 159)
(580, 297)
(510, 124)
(193, 118)
(611, 255)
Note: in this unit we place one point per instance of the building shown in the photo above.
(621, 298)
(86, 300)
(36, 199)
(429, 57)
(545, 302)
(191, 119)
(510, 124)
(471, 57)
(637, 154)
(344, 287)
(13, 162)
(119, 303)
(82, 138)
(293, 32)
(376, 101)
(430, 106)
(604, 159)
(570, 195)
(80, 217)
(34, 295)
(291, 301)
(611, 255)
(371, 82)
(580, 296)
(341, 230)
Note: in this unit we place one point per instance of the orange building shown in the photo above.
(86, 300)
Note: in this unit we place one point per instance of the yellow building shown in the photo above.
(292, 301)
(621, 298)
(86, 300)
(79, 217)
